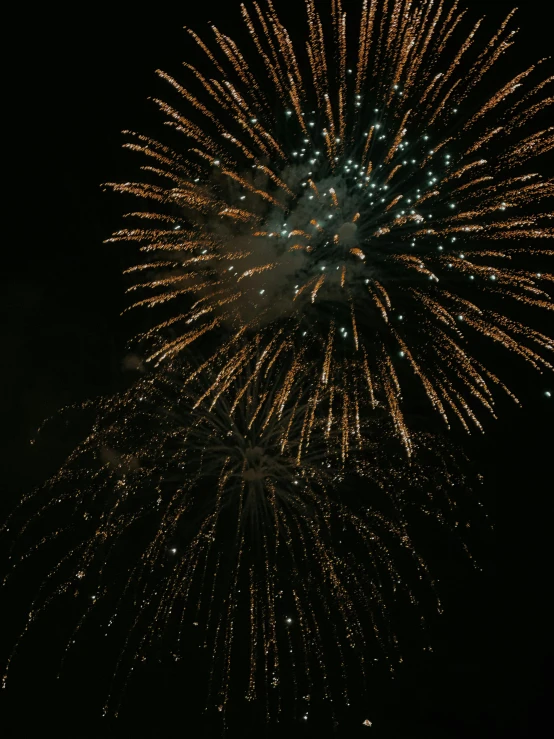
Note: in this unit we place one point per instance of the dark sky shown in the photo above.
(77, 79)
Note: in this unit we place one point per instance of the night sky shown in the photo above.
(77, 80)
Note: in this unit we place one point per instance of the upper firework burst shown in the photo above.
(370, 200)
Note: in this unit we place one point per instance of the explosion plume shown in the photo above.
(359, 192)
(213, 516)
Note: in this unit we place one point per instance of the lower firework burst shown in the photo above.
(211, 513)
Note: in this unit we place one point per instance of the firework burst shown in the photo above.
(211, 516)
(359, 192)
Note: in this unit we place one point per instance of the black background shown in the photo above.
(77, 78)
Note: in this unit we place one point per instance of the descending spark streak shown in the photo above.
(367, 155)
